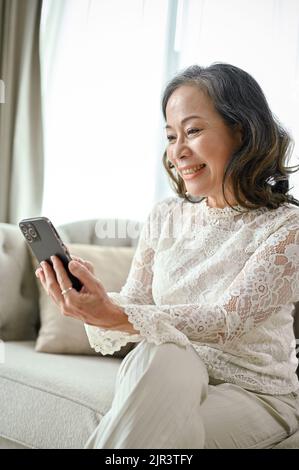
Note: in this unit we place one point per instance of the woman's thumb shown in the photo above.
(83, 274)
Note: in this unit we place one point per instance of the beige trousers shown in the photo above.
(165, 400)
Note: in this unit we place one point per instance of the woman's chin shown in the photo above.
(193, 192)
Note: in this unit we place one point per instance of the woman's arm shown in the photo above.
(269, 280)
(137, 289)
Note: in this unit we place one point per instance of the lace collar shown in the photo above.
(225, 212)
(217, 213)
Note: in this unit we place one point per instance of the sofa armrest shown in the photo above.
(18, 288)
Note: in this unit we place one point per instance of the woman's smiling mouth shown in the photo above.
(191, 173)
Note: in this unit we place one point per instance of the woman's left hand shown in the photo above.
(91, 305)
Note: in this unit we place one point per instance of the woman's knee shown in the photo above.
(176, 368)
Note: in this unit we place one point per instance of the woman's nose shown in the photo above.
(180, 151)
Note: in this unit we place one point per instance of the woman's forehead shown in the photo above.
(189, 100)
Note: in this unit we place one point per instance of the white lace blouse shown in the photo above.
(222, 280)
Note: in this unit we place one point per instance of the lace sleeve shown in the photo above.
(269, 280)
(137, 289)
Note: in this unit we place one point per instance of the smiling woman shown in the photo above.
(210, 304)
(242, 144)
(200, 153)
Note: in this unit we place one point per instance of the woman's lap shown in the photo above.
(167, 385)
(237, 418)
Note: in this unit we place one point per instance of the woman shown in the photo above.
(210, 295)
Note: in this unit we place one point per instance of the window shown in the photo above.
(102, 75)
(105, 64)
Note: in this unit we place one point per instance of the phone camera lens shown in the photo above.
(32, 232)
(24, 229)
(27, 236)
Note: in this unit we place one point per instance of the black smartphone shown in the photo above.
(44, 242)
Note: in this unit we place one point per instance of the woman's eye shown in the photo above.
(192, 131)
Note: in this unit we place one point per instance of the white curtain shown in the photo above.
(103, 64)
(260, 36)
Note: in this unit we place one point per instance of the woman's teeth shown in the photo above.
(190, 171)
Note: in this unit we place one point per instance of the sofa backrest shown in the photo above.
(103, 232)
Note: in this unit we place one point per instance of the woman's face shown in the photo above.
(205, 139)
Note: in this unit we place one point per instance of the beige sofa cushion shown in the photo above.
(66, 335)
(53, 401)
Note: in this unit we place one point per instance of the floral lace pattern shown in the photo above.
(224, 281)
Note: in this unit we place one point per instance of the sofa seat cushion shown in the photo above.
(53, 400)
(56, 401)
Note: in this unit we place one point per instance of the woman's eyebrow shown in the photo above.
(192, 116)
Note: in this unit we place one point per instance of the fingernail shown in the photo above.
(74, 264)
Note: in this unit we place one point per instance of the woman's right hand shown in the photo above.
(87, 264)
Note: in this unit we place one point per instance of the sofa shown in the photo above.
(56, 399)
